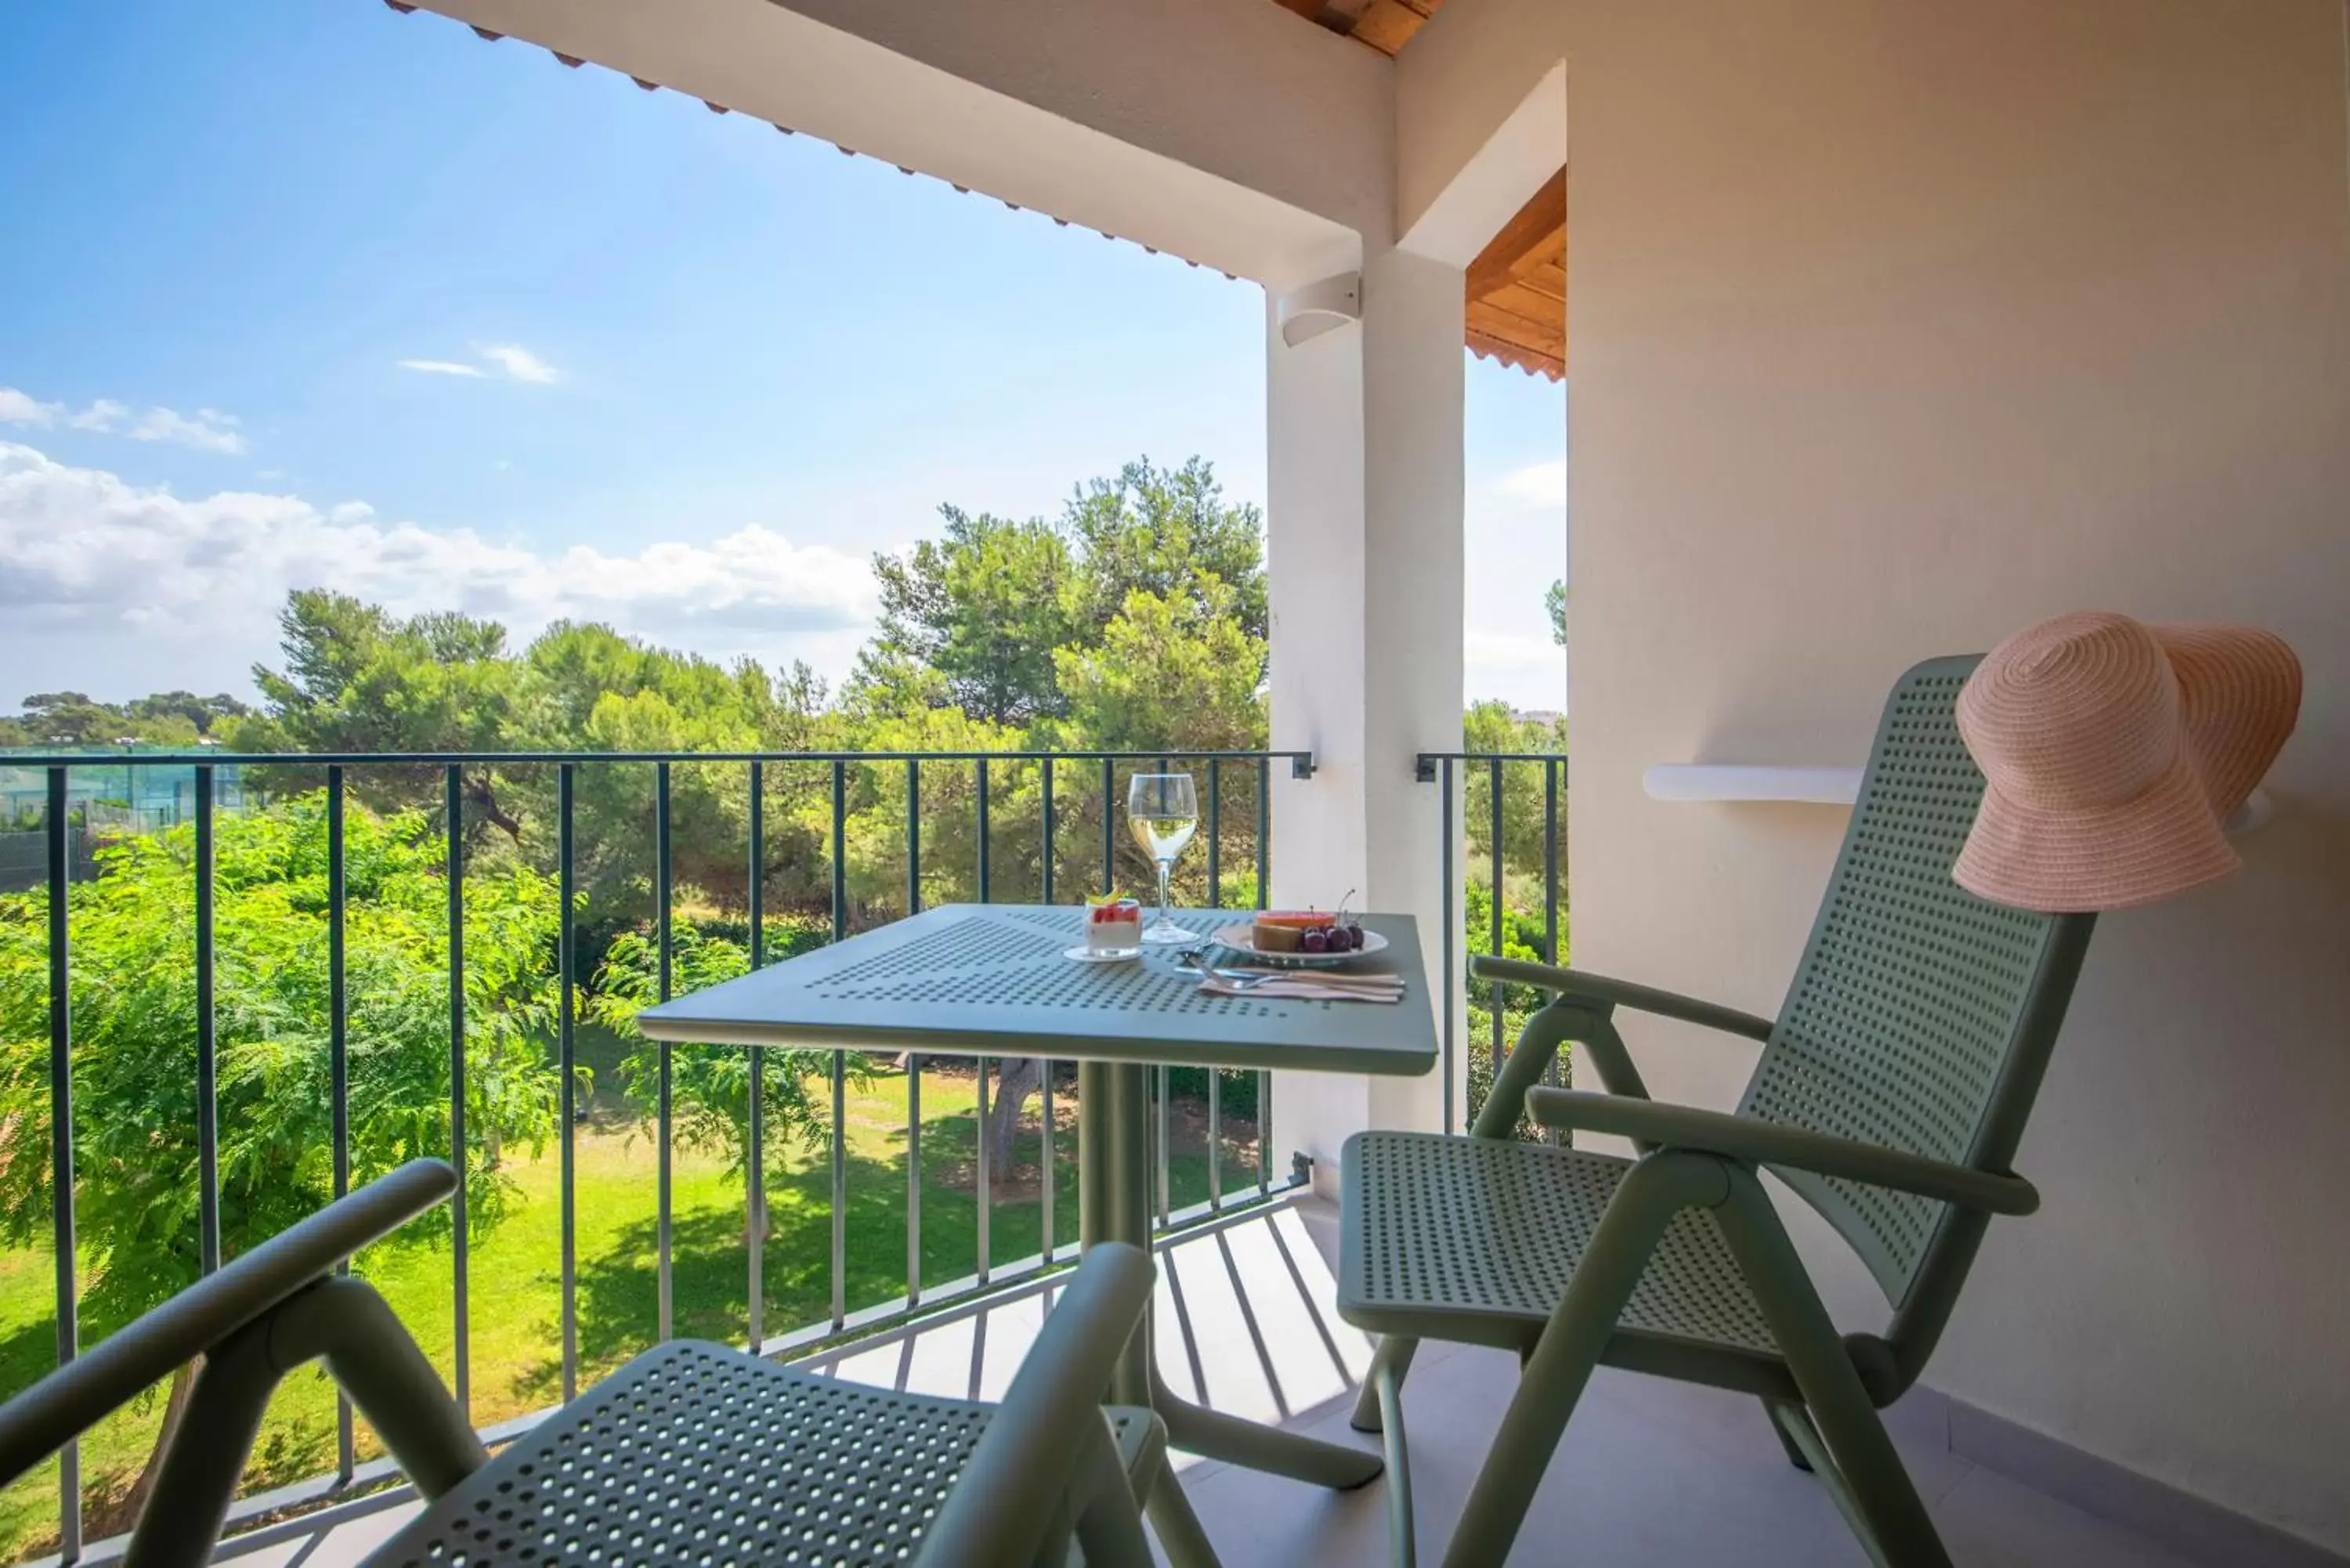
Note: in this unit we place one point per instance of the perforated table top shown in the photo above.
(990, 979)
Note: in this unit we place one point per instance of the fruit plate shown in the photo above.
(1237, 939)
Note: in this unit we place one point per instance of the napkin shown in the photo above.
(1307, 985)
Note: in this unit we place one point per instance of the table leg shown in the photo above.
(1114, 1191)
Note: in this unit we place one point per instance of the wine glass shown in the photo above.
(1165, 812)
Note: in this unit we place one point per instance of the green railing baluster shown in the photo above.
(839, 1058)
(339, 1073)
(984, 1244)
(1496, 1050)
(1264, 833)
(1550, 862)
(839, 849)
(1215, 834)
(1045, 1158)
(663, 1193)
(913, 1180)
(1215, 901)
(1109, 809)
(1165, 1138)
(754, 1171)
(61, 1142)
(453, 822)
(1047, 833)
(979, 779)
(567, 1065)
(1264, 898)
(1451, 940)
(913, 836)
(208, 1219)
(1550, 906)
(913, 1060)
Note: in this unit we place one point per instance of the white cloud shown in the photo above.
(143, 579)
(519, 362)
(22, 409)
(510, 361)
(1509, 647)
(1527, 672)
(209, 429)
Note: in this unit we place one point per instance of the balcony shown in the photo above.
(1894, 327)
(1247, 1251)
(813, 1203)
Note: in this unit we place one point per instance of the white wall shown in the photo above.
(1365, 562)
(1899, 325)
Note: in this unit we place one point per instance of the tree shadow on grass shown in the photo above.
(618, 1287)
(28, 1353)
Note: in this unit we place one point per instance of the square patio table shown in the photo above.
(989, 980)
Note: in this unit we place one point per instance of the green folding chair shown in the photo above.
(1891, 1093)
(692, 1452)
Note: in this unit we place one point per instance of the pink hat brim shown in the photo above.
(2164, 840)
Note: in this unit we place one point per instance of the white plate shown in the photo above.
(1237, 939)
(1102, 955)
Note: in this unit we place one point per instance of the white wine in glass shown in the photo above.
(1165, 812)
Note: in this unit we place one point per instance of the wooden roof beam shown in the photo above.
(1384, 25)
(1516, 288)
(1540, 222)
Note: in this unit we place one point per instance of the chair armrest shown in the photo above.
(1769, 1143)
(1620, 993)
(70, 1400)
(1012, 1488)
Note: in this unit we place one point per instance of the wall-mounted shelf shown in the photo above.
(1825, 786)
(1742, 781)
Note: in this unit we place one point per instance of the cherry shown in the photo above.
(1318, 941)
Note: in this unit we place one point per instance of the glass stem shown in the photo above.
(1166, 867)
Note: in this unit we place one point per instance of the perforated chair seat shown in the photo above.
(1475, 1239)
(697, 1453)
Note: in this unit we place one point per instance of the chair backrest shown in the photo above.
(1921, 1016)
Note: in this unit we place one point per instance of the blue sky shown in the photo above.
(305, 291)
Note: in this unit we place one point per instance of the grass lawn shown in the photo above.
(515, 1277)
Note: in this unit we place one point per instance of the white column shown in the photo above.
(1364, 551)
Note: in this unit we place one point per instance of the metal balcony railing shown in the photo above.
(1087, 777)
(1460, 776)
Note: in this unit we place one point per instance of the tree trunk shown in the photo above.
(1017, 1078)
(118, 1516)
(483, 793)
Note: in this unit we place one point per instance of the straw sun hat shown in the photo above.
(2112, 752)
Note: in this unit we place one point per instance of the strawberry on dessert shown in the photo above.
(1114, 925)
